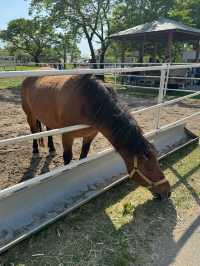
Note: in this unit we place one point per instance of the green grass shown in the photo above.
(18, 68)
(149, 93)
(123, 227)
(24, 68)
(6, 83)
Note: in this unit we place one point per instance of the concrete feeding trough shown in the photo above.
(29, 206)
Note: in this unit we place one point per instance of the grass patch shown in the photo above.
(24, 68)
(123, 227)
(6, 83)
(19, 68)
(149, 93)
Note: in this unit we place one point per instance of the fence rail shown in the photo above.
(163, 81)
(113, 70)
(70, 129)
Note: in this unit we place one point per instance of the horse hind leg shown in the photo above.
(86, 145)
(34, 129)
(39, 127)
(67, 148)
(51, 146)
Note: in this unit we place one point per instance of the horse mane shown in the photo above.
(106, 110)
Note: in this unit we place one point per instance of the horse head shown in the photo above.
(146, 171)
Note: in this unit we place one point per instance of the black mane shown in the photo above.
(106, 110)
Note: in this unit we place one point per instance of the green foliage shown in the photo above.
(129, 13)
(89, 18)
(128, 209)
(94, 20)
(30, 36)
(37, 39)
(187, 11)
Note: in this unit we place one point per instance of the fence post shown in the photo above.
(115, 78)
(164, 76)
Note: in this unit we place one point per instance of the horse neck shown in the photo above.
(122, 132)
(119, 148)
(105, 113)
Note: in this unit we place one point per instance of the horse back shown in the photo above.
(53, 100)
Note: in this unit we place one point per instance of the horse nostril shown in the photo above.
(161, 196)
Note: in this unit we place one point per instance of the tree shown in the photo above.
(90, 17)
(67, 44)
(129, 13)
(30, 36)
(187, 12)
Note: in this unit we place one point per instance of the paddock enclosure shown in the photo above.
(17, 164)
(13, 123)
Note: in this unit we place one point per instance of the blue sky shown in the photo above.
(12, 9)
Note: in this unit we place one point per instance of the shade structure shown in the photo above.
(163, 29)
(159, 29)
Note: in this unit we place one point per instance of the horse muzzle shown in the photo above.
(162, 195)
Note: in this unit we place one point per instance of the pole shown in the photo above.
(162, 91)
(197, 52)
(169, 47)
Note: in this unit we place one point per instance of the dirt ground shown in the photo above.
(16, 161)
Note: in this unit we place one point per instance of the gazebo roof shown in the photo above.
(158, 29)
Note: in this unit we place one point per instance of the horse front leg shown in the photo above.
(86, 145)
(51, 146)
(67, 148)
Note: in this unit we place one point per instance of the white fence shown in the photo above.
(186, 79)
(164, 69)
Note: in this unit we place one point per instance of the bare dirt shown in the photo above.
(16, 161)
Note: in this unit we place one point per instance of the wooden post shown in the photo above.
(155, 51)
(197, 51)
(141, 51)
(169, 47)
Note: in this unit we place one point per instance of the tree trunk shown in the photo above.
(93, 56)
(101, 61)
(36, 58)
(65, 55)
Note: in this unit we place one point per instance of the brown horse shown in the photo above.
(60, 101)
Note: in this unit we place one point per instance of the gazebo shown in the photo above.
(165, 30)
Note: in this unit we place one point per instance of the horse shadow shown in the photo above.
(35, 163)
(141, 241)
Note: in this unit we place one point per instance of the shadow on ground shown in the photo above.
(12, 95)
(35, 163)
(93, 235)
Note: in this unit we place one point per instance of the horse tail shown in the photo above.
(39, 127)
